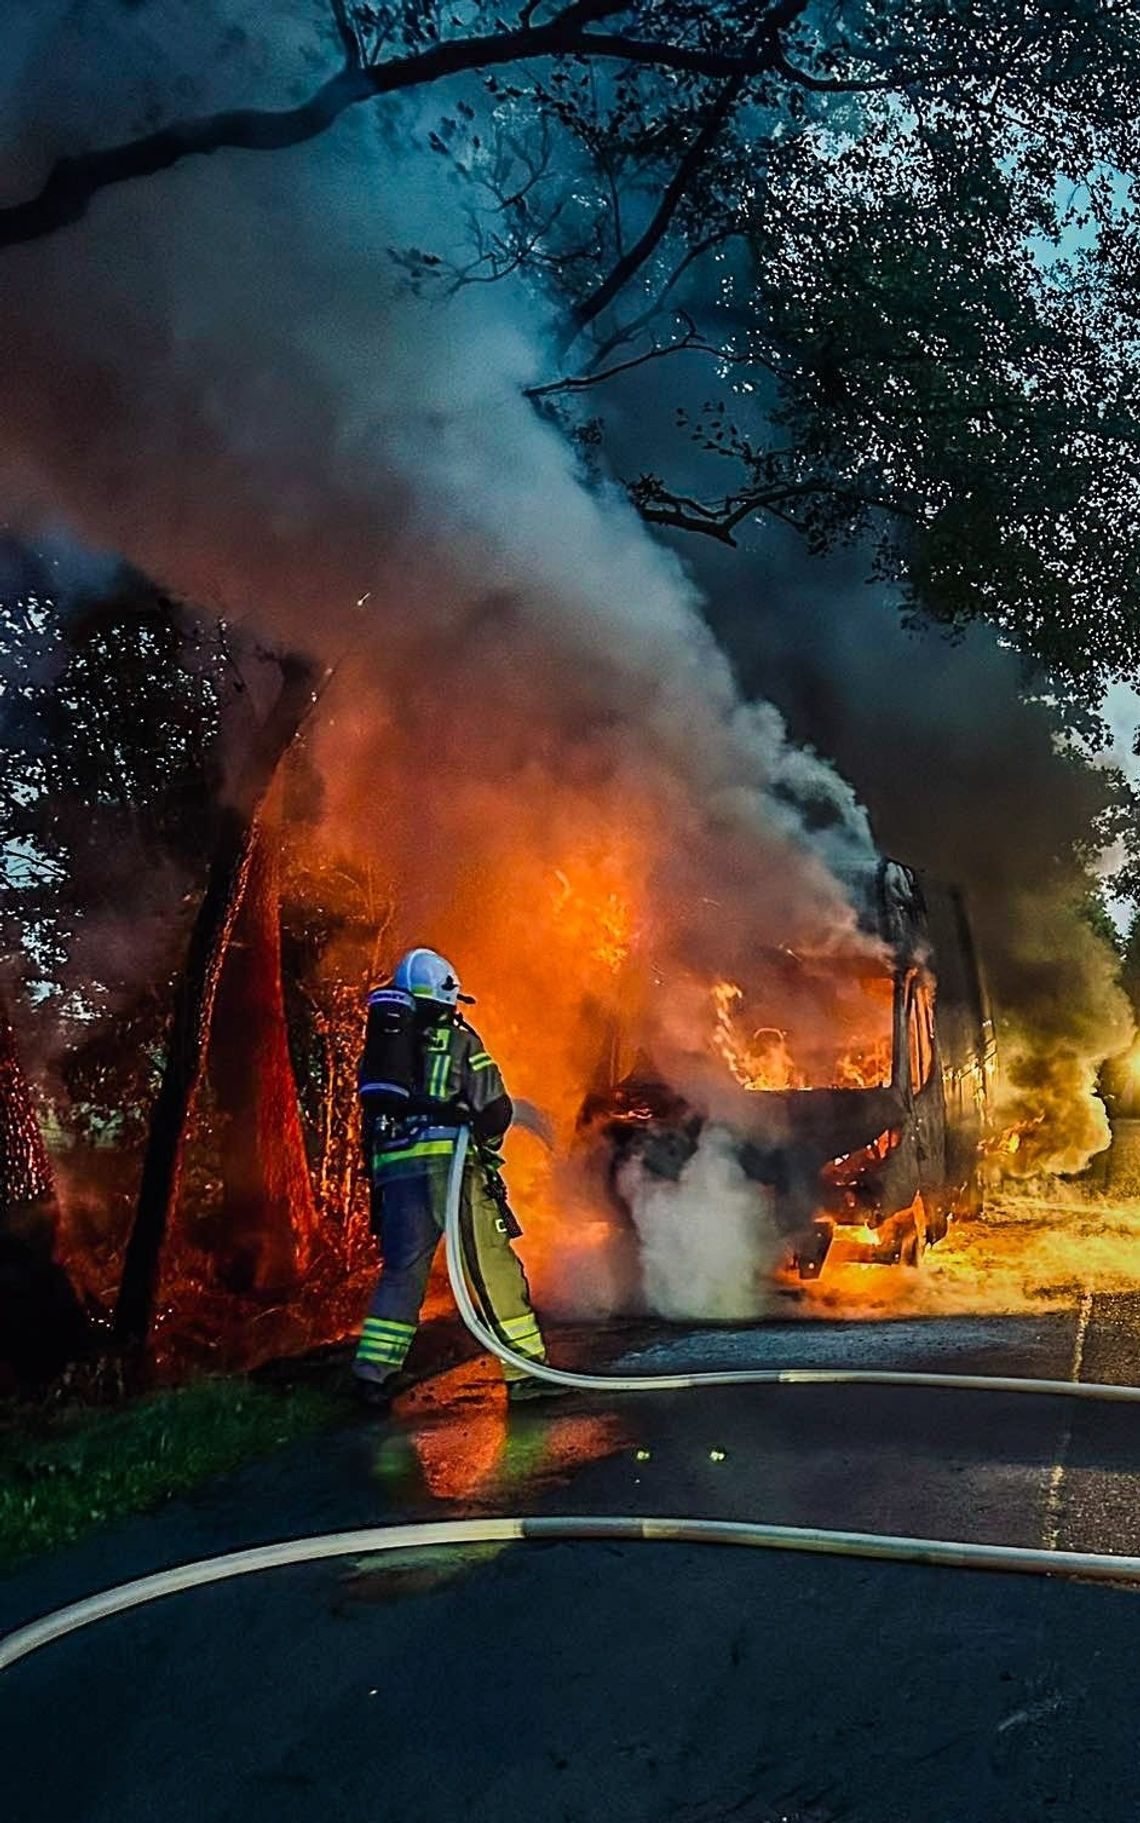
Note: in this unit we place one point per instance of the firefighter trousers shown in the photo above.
(408, 1218)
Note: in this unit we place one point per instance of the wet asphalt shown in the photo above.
(568, 1683)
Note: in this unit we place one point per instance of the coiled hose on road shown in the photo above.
(437, 1534)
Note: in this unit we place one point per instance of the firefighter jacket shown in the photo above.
(459, 1081)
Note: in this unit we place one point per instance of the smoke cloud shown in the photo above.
(966, 781)
(532, 730)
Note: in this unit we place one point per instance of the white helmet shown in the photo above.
(426, 975)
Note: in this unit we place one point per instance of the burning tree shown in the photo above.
(338, 919)
(268, 1224)
(25, 1173)
(123, 770)
(265, 1182)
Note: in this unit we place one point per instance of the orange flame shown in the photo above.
(764, 1059)
(602, 922)
(761, 1061)
(1009, 1142)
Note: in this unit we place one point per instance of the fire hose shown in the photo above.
(752, 1376)
(437, 1534)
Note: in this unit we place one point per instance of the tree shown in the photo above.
(132, 751)
(1120, 1075)
(269, 1218)
(112, 699)
(899, 239)
(189, 1028)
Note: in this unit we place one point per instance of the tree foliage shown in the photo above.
(903, 259)
(136, 764)
(109, 740)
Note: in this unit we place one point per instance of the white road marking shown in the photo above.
(1051, 1520)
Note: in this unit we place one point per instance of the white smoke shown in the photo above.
(709, 1242)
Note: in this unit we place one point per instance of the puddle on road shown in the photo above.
(398, 1575)
(456, 1440)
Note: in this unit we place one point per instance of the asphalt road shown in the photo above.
(649, 1683)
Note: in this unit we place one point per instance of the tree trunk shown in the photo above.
(269, 1216)
(42, 1325)
(194, 1004)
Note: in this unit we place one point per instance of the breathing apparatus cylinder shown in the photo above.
(388, 1072)
(389, 1064)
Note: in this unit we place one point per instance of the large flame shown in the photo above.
(853, 1053)
(607, 930)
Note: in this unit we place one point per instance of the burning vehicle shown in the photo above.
(869, 1157)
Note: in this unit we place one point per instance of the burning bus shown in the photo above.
(867, 1154)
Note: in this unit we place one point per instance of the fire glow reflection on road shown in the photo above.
(459, 1441)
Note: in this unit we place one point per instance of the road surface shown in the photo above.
(636, 1683)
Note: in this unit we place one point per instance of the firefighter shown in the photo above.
(423, 1070)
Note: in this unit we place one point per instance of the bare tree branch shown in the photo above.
(691, 59)
(722, 519)
(689, 343)
(647, 242)
(18, 858)
(346, 32)
(75, 180)
(624, 333)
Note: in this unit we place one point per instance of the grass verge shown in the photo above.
(64, 1472)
